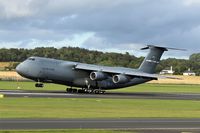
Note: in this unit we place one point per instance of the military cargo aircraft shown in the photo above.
(91, 78)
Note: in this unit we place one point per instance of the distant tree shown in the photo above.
(96, 57)
(194, 63)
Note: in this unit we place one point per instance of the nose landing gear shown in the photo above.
(39, 84)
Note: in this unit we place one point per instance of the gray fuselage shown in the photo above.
(64, 72)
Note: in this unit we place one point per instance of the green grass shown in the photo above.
(168, 88)
(65, 131)
(165, 88)
(14, 85)
(97, 108)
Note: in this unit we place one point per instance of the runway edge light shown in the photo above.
(1, 96)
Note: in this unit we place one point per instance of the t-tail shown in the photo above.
(153, 58)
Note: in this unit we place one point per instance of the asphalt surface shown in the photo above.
(117, 95)
(159, 125)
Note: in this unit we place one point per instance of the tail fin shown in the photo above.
(153, 58)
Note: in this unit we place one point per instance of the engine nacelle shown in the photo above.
(120, 79)
(98, 76)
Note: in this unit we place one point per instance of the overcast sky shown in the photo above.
(105, 25)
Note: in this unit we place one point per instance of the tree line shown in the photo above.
(97, 57)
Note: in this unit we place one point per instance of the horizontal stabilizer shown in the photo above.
(162, 48)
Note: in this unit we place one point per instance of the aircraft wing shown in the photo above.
(118, 70)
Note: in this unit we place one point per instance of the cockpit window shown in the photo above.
(31, 58)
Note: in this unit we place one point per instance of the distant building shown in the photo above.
(170, 71)
(189, 73)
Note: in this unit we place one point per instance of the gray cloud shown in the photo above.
(119, 24)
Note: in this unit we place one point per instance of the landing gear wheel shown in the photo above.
(102, 92)
(81, 91)
(70, 90)
(67, 90)
(74, 90)
(40, 85)
(90, 91)
(99, 91)
(96, 91)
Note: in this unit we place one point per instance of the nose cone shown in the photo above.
(19, 69)
(22, 69)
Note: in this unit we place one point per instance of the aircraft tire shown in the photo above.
(81, 91)
(39, 85)
(74, 90)
(69, 90)
(96, 91)
(90, 91)
(102, 92)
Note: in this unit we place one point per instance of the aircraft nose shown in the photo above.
(19, 68)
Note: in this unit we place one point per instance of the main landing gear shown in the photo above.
(85, 90)
(71, 90)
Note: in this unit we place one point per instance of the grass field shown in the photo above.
(97, 108)
(165, 88)
(13, 85)
(184, 80)
(4, 64)
(10, 75)
(169, 88)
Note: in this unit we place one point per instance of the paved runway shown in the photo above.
(119, 95)
(128, 124)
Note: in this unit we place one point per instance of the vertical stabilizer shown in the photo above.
(153, 58)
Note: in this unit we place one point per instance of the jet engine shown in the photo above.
(98, 76)
(120, 79)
